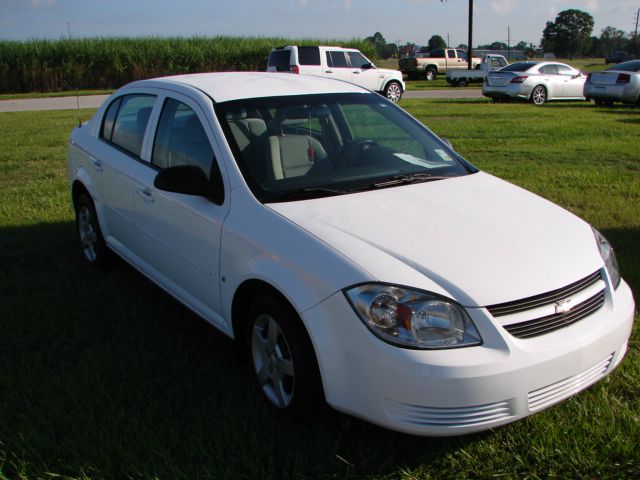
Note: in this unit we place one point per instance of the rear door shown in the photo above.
(115, 159)
(337, 65)
(180, 233)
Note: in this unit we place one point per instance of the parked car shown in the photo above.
(346, 64)
(620, 83)
(538, 82)
(490, 63)
(438, 61)
(328, 232)
(618, 57)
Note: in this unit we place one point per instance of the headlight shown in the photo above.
(411, 318)
(609, 257)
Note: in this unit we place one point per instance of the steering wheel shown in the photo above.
(352, 151)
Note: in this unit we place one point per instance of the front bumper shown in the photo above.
(460, 391)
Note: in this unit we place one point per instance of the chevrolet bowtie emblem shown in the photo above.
(564, 306)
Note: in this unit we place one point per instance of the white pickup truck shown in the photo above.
(341, 63)
(440, 60)
(490, 63)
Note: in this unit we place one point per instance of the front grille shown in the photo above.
(450, 417)
(545, 396)
(549, 323)
(545, 315)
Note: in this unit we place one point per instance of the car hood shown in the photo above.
(480, 239)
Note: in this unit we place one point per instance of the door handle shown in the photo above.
(146, 195)
(328, 71)
(357, 72)
(97, 164)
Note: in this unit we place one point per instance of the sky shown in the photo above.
(400, 21)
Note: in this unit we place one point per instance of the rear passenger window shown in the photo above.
(309, 55)
(124, 124)
(181, 139)
(549, 70)
(336, 58)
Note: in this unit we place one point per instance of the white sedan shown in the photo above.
(620, 83)
(352, 254)
(538, 82)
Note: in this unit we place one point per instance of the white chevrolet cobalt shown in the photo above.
(354, 256)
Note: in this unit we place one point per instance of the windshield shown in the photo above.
(307, 146)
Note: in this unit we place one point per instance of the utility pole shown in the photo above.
(635, 35)
(508, 43)
(470, 48)
(448, 40)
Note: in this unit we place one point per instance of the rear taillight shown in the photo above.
(519, 79)
(588, 80)
(294, 69)
(623, 78)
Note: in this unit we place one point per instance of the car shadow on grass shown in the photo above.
(104, 375)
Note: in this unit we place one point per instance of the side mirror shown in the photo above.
(367, 66)
(189, 180)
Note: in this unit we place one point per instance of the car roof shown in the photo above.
(226, 86)
(630, 66)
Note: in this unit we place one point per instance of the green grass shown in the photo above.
(104, 376)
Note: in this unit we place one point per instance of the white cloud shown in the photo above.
(503, 7)
(42, 3)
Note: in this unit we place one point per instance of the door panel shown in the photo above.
(179, 235)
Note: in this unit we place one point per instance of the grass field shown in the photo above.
(104, 376)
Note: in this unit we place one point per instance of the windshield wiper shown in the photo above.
(405, 179)
(303, 194)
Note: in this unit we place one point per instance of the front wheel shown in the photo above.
(393, 91)
(539, 95)
(463, 82)
(282, 357)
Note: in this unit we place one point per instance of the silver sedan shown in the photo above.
(538, 82)
(620, 83)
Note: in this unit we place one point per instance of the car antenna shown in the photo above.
(75, 82)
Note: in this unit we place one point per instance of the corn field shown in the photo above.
(106, 63)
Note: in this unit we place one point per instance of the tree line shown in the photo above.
(568, 36)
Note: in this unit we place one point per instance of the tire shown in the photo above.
(430, 74)
(282, 358)
(94, 249)
(463, 82)
(393, 91)
(539, 95)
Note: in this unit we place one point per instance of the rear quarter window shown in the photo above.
(309, 55)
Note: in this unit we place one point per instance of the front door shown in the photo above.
(180, 233)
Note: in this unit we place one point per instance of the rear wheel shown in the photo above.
(94, 248)
(430, 74)
(282, 357)
(463, 82)
(539, 95)
(393, 91)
